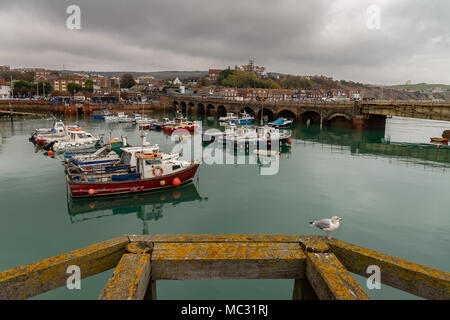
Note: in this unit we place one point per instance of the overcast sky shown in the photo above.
(305, 37)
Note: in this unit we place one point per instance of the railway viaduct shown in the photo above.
(359, 114)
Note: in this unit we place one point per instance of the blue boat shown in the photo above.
(281, 123)
(101, 116)
(244, 119)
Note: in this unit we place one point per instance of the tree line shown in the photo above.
(241, 79)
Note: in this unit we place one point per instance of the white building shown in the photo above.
(5, 90)
(176, 81)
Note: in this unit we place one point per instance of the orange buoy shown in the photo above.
(50, 153)
(91, 191)
(289, 141)
(162, 182)
(112, 190)
(176, 182)
(141, 188)
(131, 189)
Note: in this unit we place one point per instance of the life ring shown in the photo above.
(160, 171)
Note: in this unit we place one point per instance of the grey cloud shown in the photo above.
(300, 37)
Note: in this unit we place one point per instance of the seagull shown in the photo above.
(327, 225)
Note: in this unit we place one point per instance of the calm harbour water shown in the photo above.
(390, 186)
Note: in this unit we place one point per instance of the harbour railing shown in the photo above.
(320, 268)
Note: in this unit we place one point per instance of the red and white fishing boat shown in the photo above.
(152, 172)
(184, 125)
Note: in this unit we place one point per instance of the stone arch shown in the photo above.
(339, 120)
(221, 111)
(175, 105)
(312, 116)
(210, 109)
(248, 110)
(183, 107)
(287, 114)
(335, 115)
(267, 114)
(200, 108)
(191, 107)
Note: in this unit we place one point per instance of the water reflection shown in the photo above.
(146, 206)
(373, 143)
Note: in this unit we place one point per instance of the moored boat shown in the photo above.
(59, 131)
(183, 125)
(230, 116)
(281, 123)
(103, 156)
(244, 119)
(152, 173)
(76, 140)
(260, 137)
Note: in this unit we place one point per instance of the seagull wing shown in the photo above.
(322, 224)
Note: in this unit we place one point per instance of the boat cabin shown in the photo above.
(129, 154)
(152, 165)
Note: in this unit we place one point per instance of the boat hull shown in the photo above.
(442, 140)
(84, 189)
(172, 129)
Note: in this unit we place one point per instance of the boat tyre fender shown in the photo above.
(157, 171)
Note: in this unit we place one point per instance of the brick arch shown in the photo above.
(210, 109)
(249, 110)
(287, 113)
(183, 106)
(335, 115)
(313, 115)
(200, 108)
(191, 107)
(221, 111)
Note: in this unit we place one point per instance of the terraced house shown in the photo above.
(5, 90)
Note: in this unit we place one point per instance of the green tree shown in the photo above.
(74, 87)
(223, 75)
(127, 81)
(89, 86)
(44, 86)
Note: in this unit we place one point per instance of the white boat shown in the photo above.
(135, 118)
(58, 127)
(103, 156)
(111, 118)
(76, 140)
(228, 117)
(244, 119)
(59, 130)
(122, 117)
(261, 137)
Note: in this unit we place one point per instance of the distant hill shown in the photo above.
(157, 74)
(420, 86)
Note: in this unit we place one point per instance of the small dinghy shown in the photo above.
(265, 153)
(281, 123)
